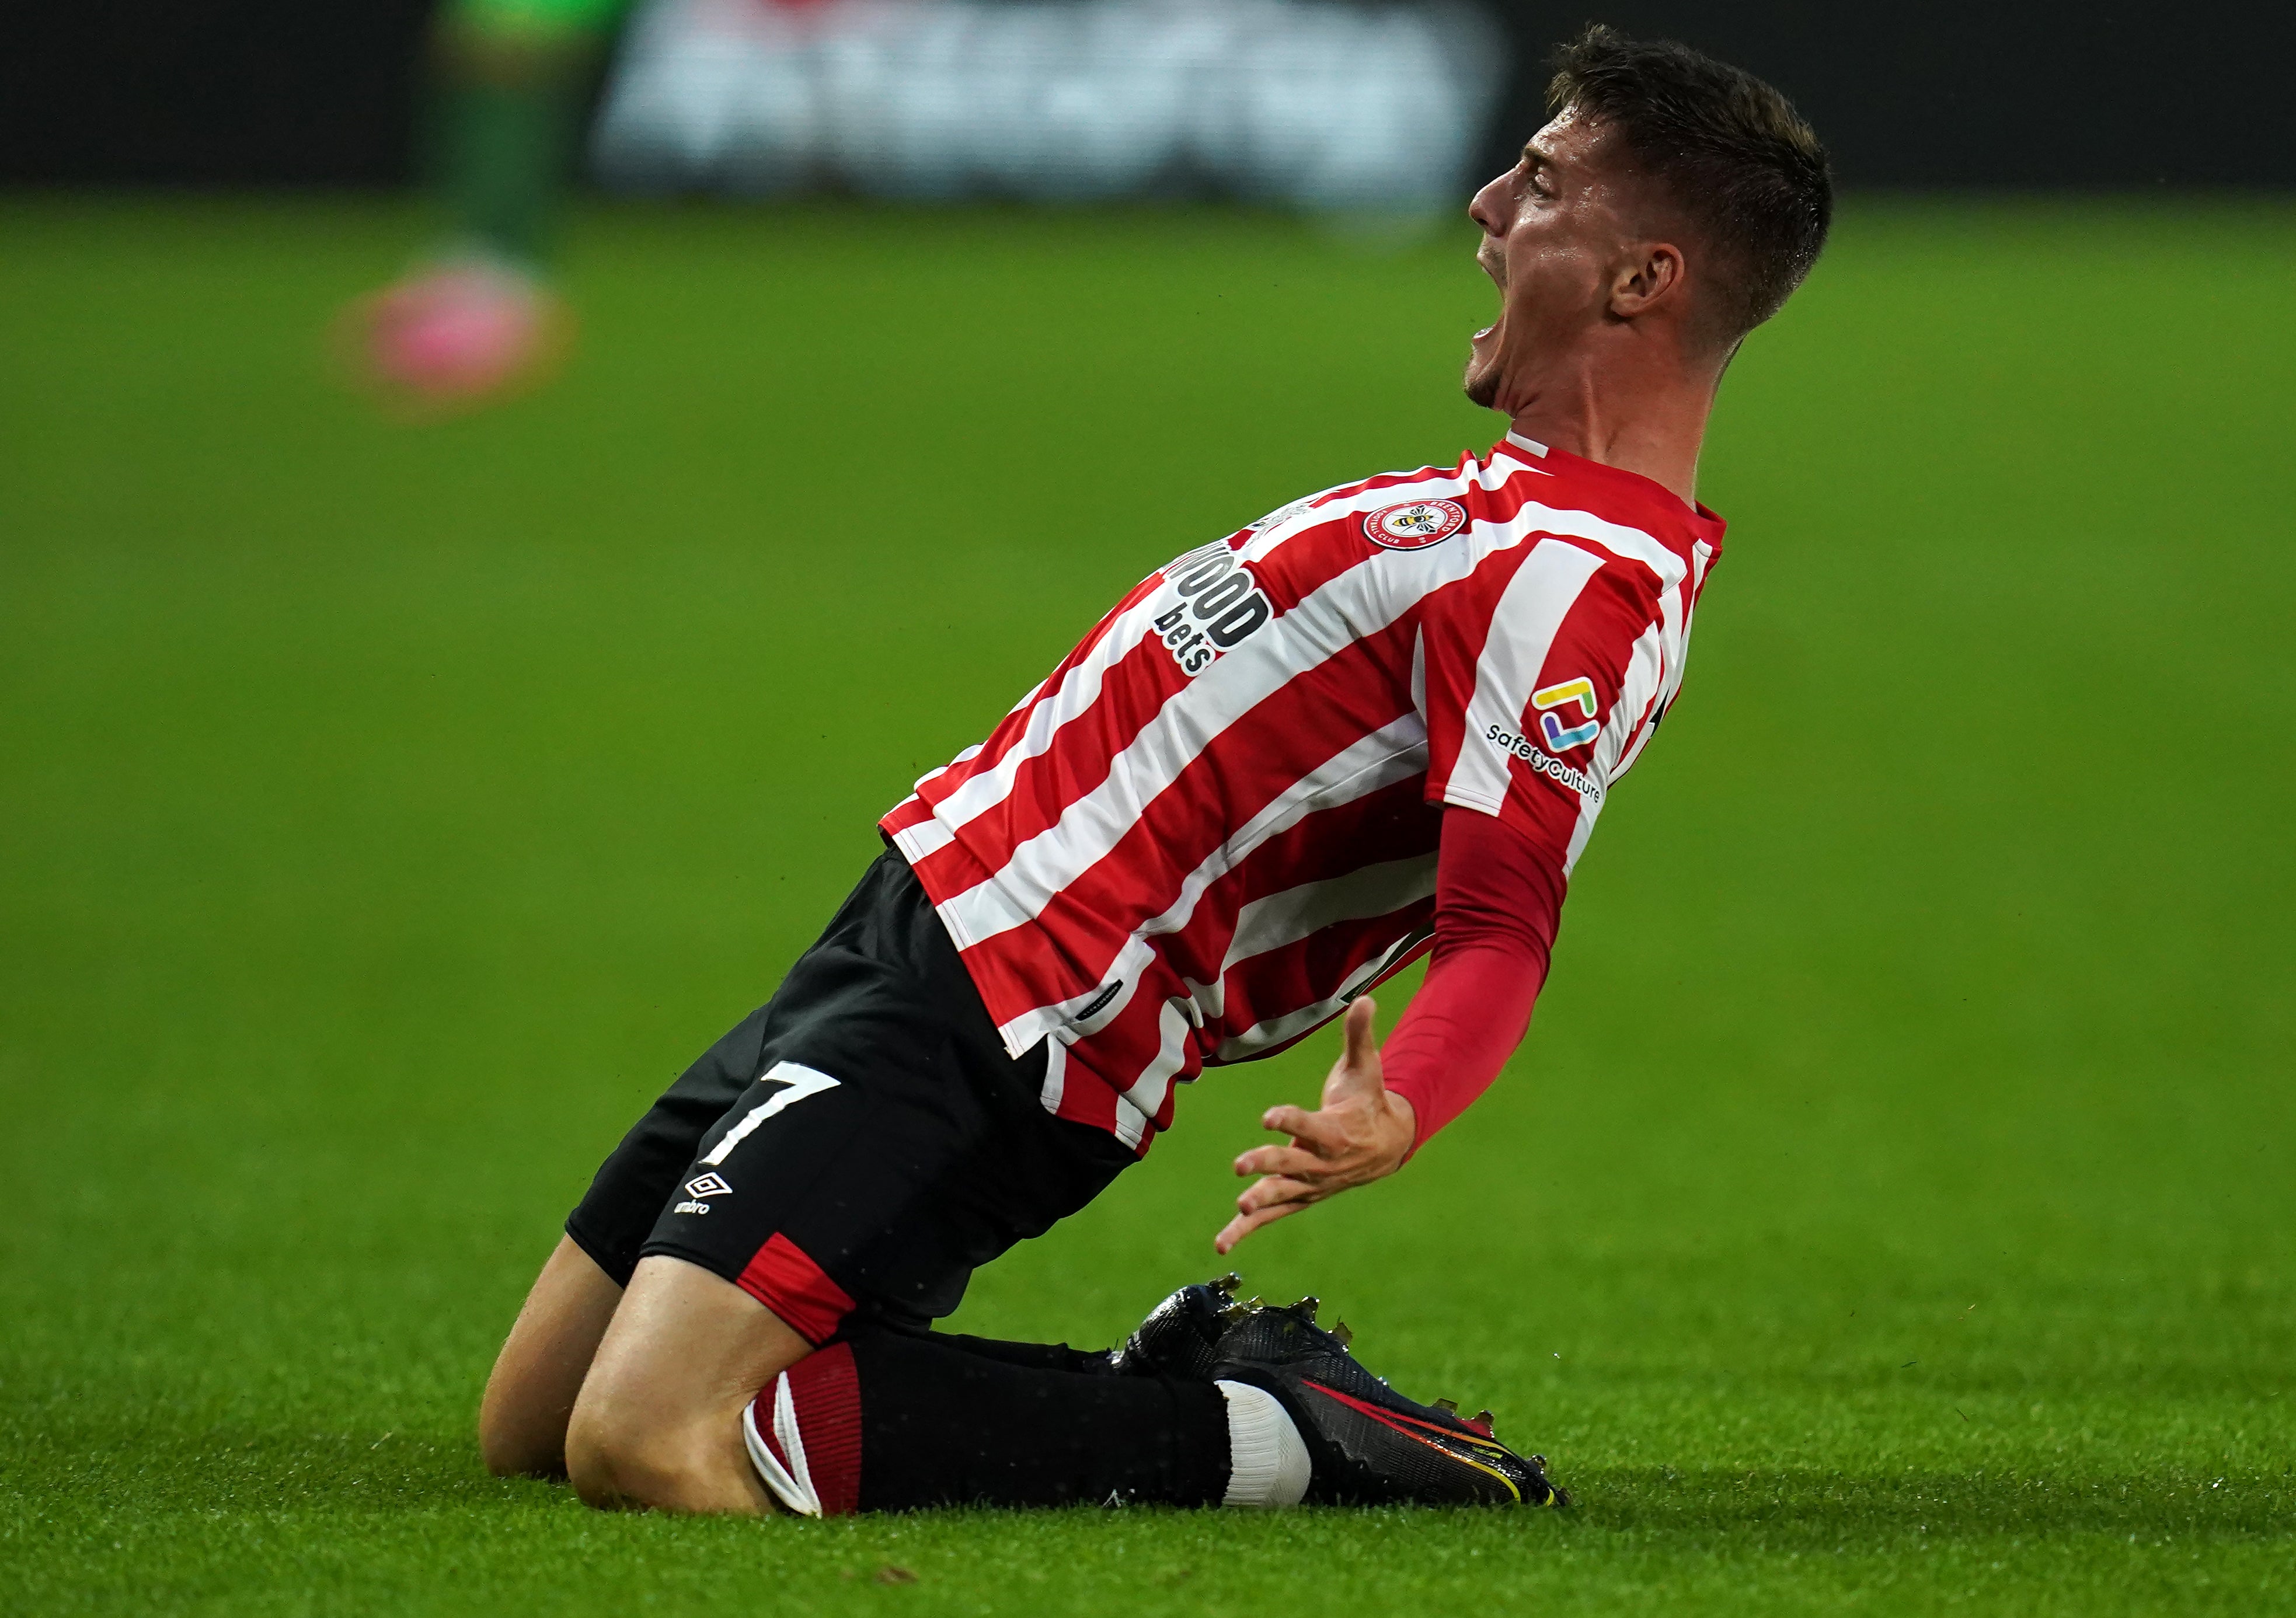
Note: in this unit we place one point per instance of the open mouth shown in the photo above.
(1498, 273)
(1498, 320)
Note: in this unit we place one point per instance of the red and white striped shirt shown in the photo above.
(1215, 823)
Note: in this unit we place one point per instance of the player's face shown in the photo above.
(1555, 227)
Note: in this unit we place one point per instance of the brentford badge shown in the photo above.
(1409, 527)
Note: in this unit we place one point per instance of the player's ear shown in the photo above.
(1652, 277)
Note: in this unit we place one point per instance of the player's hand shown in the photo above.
(1362, 1132)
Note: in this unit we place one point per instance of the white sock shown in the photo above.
(1267, 1462)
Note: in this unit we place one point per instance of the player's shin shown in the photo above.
(893, 1421)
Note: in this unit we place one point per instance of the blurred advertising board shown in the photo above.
(1320, 106)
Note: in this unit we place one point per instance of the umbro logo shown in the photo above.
(708, 1185)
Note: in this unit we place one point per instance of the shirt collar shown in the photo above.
(1704, 525)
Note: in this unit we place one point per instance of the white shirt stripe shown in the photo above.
(1530, 612)
(1173, 1026)
(1300, 912)
(1393, 752)
(1276, 1030)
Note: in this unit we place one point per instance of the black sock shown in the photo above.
(1033, 1356)
(941, 1422)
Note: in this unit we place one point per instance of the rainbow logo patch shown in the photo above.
(1559, 738)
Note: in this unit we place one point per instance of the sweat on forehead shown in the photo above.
(1582, 149)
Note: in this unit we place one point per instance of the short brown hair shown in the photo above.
(1729, 151)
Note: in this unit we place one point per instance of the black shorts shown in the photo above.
(857, 1146)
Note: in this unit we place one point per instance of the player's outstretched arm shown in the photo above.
(1498, 897)
(1362, 1132)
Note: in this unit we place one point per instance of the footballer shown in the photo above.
(477, 317)
(1378, 724)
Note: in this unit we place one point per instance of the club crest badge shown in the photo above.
(1415, 525)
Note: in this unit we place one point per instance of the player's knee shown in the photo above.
(657, 1420)
(521, 1425)
(632, 1445)
(542, 1366)
(512, 1448)
(592, 1466)
(616, 1462)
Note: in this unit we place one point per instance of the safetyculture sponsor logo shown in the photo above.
(1415, 525)
(1560, 738)
(1218, 604)
(1507, 741)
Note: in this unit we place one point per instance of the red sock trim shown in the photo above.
(826, 1391)
(786, 1282)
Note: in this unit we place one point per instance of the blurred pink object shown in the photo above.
(459, 332)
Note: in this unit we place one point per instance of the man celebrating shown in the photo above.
(1380, 720)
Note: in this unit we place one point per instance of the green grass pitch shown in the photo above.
(1891, 1212)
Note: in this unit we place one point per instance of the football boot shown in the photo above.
(1370, 1444)
(455, 334)
(1181, 1336)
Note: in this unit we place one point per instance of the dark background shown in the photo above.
(2048, 93)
